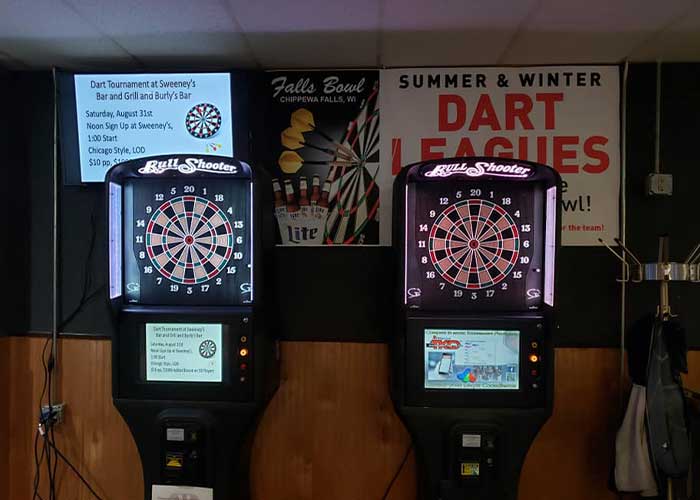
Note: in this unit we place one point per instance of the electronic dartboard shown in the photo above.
(188, 243)
(476, 240)
(193, 358)
(475, 245)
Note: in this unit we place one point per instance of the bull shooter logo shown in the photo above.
(444, 344)
(479, 169)
(190, 166)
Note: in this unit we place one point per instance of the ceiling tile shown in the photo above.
(172, 34)
(162, 32)
(314, 50)
(59, 37)
(572, 31)
(449, 32)
(462, 15)
(310, 33)
(679, 42)
(320, 16)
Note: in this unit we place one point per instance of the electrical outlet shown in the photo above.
(659, 184)
(54, 414)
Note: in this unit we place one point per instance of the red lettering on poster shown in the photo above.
(460, 107)
(427, 145)
(596, 154)
(396, 162)
(484, 115)
(518, 106)
(549, 100)
(465, 147)
(498, 142)
(560, 153)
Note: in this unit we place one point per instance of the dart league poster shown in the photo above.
(322, 150)
(567, 117)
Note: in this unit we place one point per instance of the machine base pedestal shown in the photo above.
(200, 444)
(471, 454)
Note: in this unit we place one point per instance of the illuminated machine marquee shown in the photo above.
(478, 169)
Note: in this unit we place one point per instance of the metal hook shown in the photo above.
(626, 273)
(628, 251)
(694, 255)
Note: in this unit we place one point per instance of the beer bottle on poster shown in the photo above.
(315, 190)
(279, 199)
(323, 202)
(292, 205)
(303, 192)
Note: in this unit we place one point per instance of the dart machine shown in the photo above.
(473, 378)
(193, 360)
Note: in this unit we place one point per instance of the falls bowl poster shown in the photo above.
(322, 136)
(566, 117)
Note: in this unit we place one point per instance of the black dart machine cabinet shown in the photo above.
(473, 377)
(193, 360)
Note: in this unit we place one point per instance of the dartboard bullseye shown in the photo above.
(189, 240)
(474, 244)
(203, 121)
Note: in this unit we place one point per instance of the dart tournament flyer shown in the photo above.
(567, 117)
(322, 136)
(121, 117)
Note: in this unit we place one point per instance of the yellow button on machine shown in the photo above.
(470, 469)
(173, 462)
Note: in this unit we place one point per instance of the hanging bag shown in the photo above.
(669, 439)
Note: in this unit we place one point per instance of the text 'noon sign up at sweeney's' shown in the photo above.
(121, 117)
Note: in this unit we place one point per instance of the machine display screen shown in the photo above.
(184, 352)
(188, 242)
(472, 359)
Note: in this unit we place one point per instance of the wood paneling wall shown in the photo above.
(329, 432)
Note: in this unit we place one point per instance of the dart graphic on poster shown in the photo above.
(322, 136)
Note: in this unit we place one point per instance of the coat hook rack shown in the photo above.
(662, 271)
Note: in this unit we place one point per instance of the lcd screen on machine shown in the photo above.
(472, 359)
(183, 352)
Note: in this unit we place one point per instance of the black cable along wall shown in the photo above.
(346, 293)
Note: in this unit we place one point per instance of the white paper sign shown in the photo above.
(567, 117)
(162, 492)
(183, 352)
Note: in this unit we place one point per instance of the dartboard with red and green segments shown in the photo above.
(474, 246)
(189, 240)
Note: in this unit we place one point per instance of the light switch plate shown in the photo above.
(659, 185)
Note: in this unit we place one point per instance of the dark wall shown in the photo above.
(677, 215)
(4, 191)
(15, 217)
(346, 293)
